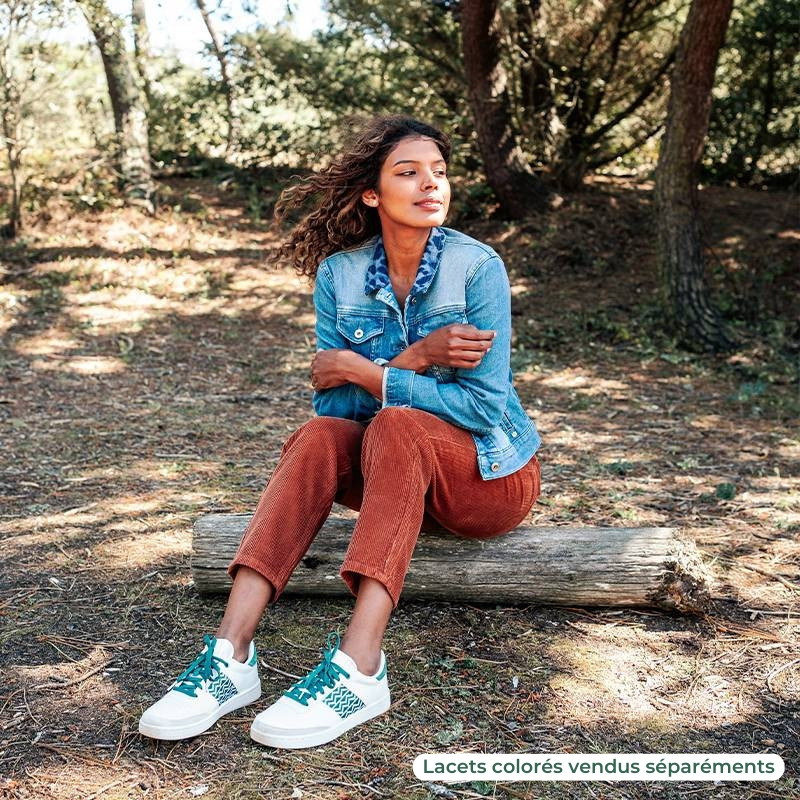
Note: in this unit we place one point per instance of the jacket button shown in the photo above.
(413, 300)
(495, 467)
(358, 333)
(513, 434)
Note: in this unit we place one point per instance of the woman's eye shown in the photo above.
(438, 172)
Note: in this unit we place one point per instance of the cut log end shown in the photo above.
(682, 590)
(685, 584)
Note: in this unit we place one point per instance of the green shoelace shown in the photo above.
(200, 670)
(321, 677)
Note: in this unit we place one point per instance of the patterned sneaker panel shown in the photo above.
(287, 714)
(222, 688)
(343, 701)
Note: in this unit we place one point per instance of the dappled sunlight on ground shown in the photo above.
(62, 675)
(82, 775)
(628, 675)
(142, 549)
(101, 511)
(82, 365)
(50, 342)
(119, 309)
(116, 533)
(593, 384)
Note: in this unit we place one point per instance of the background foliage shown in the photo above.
(577, 72)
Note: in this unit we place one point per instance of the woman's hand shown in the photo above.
(462, 346)
(330, 368)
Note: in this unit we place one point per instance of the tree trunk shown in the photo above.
(15, 23)
(227, 84)
(141, 49)
(127, 103)
(519, 191)
(11, 137)
(552, 566)
(572, 164)
(687, 296)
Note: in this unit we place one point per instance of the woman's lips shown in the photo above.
(429, 205)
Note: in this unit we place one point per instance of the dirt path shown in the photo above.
(152, 369)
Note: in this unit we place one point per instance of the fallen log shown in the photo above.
(651, 567)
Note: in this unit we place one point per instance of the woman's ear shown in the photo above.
(370, 198)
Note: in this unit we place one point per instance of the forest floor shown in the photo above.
(152, 368)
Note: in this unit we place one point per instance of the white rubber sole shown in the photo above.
(174, 732)
(301, 740)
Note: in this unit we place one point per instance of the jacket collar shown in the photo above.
(378, 270)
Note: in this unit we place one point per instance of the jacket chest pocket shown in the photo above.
(362, 333)
(451, 316)
(439, 319)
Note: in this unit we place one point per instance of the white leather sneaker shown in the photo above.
(213, 685)
(330, 700)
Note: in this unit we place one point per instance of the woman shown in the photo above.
(418, 423)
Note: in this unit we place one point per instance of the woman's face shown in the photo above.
(413, 189)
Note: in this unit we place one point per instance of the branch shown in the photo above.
(616, 46)
(637, 101)
(602, 160)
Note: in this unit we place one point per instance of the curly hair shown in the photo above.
(339, 219)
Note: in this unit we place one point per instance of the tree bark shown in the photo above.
(127, 103)
(16, 19)
(687, 298)
(553, 566)
(141, 48)
(227, 84)
(519, 191)
(10, 128)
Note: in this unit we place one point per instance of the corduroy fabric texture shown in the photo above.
(405, 470)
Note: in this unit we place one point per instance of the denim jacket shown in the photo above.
(459, 280)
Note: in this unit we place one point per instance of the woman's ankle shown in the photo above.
(368, 661)
(249, 596)
(241, 647)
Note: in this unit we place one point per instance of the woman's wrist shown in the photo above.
(352, 365)
(359, 370)
(413, 358)
(355, 368)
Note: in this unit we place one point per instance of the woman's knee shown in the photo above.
(392, 420)
(393, 424)
(395, 429)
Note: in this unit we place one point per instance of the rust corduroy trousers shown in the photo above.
(404, 470)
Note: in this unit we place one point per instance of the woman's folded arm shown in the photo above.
(339, 401)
